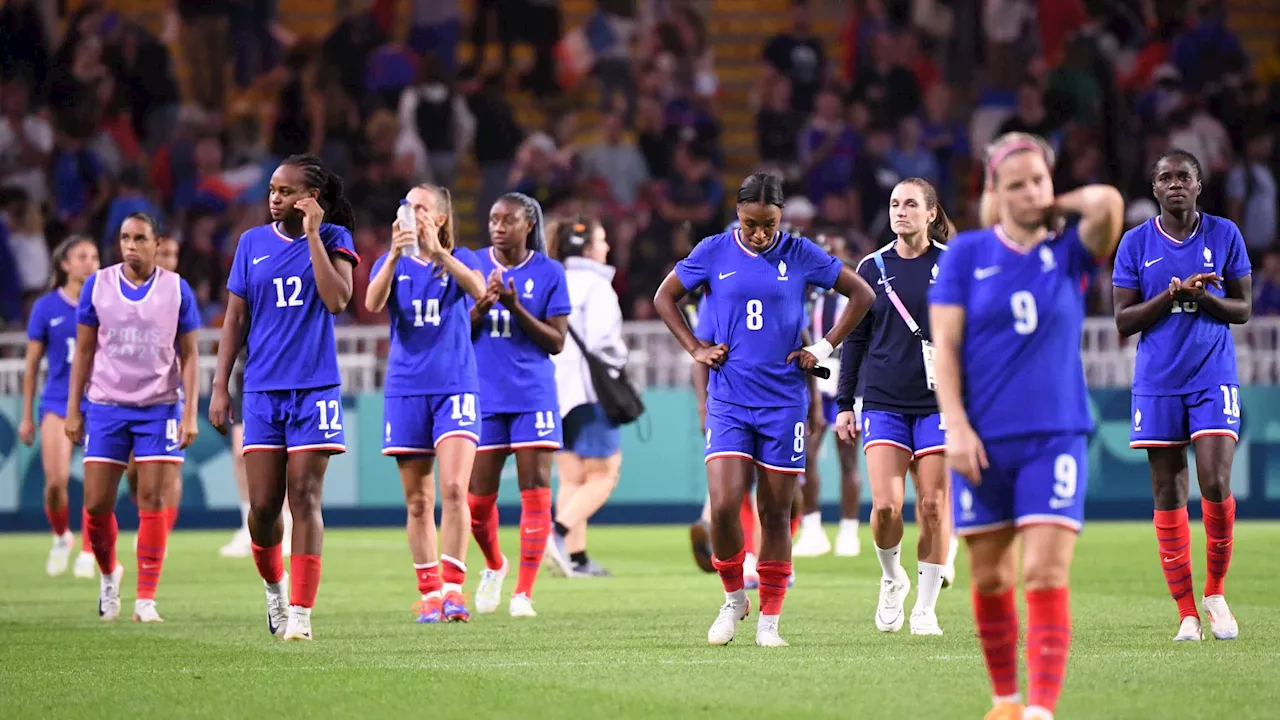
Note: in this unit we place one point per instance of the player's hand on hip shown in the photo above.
(220, 410)
(189, 430)
(847, 426)
(803, 358)
(712, 355)
(312, 214)
(75, 426)
(965, 453)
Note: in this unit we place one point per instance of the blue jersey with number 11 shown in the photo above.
(757, 306)
(1188, 350)
(1024, 311)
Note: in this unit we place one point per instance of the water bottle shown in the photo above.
(407, 219)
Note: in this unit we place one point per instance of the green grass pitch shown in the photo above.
(630, 646)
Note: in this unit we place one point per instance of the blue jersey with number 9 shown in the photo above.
(1020, 361)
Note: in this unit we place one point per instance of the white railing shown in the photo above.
(658, 361)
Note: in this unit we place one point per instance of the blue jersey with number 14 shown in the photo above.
(290, 345)
(516, 375)
(757, 306)
(1188, 350)
(1024, 311)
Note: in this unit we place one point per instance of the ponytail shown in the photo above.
(58, 277)
(537, 238)
(339, 211)
(569, 239)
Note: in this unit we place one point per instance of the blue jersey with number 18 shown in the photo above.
(1188, 350)
(516, 375)
(1020, 361)
(757, 307)
(290, 345)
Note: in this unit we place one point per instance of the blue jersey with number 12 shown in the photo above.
(290, 345)
(1024, 311)
(1187, 350)
(516, 375)
(757, 306)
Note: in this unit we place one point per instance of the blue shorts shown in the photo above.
(519, 431)
(111, 432)
(919, 435)
(773, 437)
(589, 434)
(415, 424)
(1030, 481)
(1175, 420)
(58, 407)
(830, 409)
(294, 420)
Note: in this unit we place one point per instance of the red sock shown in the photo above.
(748, 517)
(484, 527)
(997, 619)
(730, 571)
(773, 585)
(1219, 530)
(452, 570)
(171, 517)
(1173, 536)
(84, 531)
(304, 579)
(535, 528)
(153, 536)
(1048, 644)
(270, 562)
(59, 520)
(428, 578)
(102, 534)
(795, 525)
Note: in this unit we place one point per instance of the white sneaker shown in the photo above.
(109, 595)
(726, 624)
(59, 554)
(299, 624)
(86, 566)
(240, 546)
(521, 606)
(145, 611)
(893, 595)
(277, 606)
(750, 575)
(767, 632)
(812, 542)
(925, 622)
(1189, 631)
(1221, 622)
(489, 592)
(848, 544)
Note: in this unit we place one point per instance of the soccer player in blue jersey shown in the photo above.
(1182, 279)
(135, 354)
(1006, 315)
(517, 326)
(51, 334)
(901, 427)
(288, 279)
(431, 410)
(758, 400)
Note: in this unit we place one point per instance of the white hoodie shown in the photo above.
(597, 318)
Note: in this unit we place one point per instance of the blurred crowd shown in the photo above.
(94, 123)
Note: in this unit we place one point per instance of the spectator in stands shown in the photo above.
(910, 158)
(436, 26)
(497, 138)
(81, 186)
(205, 29)
(25, 49)
(502, 16)
(828, 148)
(252, 23)
(874, 178)
(1209, 52)
(130, 199)
(778, 127)
(26, 141)
(437, 117)
(1032, 116)
(887, 86)
(694, 194)
(1266, 291)
(536, 172)
(797, 54)
(948, 138)
(616, 161)
(1251, 192)
(27, 246)
(613, 62)
(656, 145)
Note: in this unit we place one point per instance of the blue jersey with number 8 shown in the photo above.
(1020, 361)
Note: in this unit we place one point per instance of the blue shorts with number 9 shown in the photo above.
(295, 420)
(773, 437)
(1175, 420)
(111, 432)
(416, 424)
(518, 431)
(1037, 480)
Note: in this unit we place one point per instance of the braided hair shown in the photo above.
(537, 239)
(338, 209)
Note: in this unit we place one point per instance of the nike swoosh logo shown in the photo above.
(725, 275)
(402, 278)
(1152, 262)
(544, 433)
(56, 322)
(796, 457)
(260, 259)
(1232, 422)
(885, 281)
(171, 448)
(1171, 559)
(468, 423)
(984, 273)
(330, 435)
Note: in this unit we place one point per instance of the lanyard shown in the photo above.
(897, 301)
